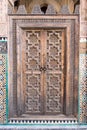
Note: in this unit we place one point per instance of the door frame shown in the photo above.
(71, 24)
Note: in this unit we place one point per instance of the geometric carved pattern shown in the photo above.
(37, 10)
(3, 85)
(33, 85)
(54, 47)
(83, 88)
(52, 60)
(50, 10)
(53, 93)
(54, 75)
(33, 94)
(32, 51)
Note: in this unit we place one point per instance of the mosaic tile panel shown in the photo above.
(3, 45)
(83, 89)
(3, 58)
(3, 79)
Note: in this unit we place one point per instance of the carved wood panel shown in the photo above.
(54, 73)
(32, 72)
(43, 76)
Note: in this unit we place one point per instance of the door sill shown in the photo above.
(43, 119)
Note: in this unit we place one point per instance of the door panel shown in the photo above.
(33, 80)
(43, 71)
(54, 73)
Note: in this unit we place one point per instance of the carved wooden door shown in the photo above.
(43, 76)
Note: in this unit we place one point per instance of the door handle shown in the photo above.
(43, 69)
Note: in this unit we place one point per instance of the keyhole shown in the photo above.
(44, 8)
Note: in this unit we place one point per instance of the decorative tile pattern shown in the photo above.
(2, 88)
(83, 89)
(43, 127)
(3, 81)
(3, 45)
(83, 40)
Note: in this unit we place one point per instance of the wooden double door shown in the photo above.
(43, 71)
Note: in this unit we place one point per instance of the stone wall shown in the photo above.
(3, 18)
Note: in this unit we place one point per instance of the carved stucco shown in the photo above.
(57, 4)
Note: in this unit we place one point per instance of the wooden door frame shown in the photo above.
(71, 25)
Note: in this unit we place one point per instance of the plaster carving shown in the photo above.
(56, 4)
